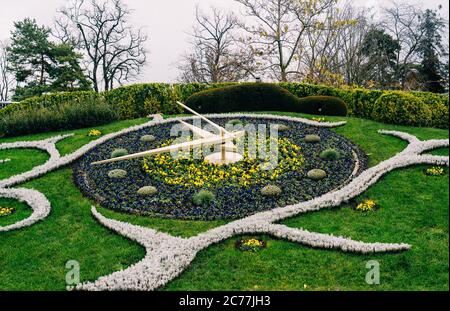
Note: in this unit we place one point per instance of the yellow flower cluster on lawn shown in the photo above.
(189, 172)
(435, 171)
(252, 243)
(317, 119)
(94, 132)
(5, 211)
(366, 205)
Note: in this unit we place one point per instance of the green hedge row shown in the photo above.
(263, 97)
(55, 115)
(139, 100)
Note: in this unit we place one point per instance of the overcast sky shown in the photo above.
(166, 21)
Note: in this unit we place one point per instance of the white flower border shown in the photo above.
(167, 256)
(41, 206)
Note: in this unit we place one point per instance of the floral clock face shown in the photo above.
(237, 187)
(343, 180)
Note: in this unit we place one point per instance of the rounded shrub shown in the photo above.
(148, 138)
(316, 174)
(311, 138)
(283, 128)
(271, 191)
(235, 122)
(243, 97)
(119, 153)
(323, 105)
(147, 191)
(263, 97)
(330, 154)
(401, 108)
(117, 174)
(203, 197)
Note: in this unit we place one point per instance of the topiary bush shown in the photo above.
(312, 138)
(401, 108)
(117, 174)
(203, 198)
(243, 97)
(262, 97)
(148, 138)
(119, 153)
(147, 191)
(330, 154)
(316, 174)
(271, 191)
(282, 128)
(323, 105)
(235, 122)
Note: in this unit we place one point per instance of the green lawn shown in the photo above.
(414, 210)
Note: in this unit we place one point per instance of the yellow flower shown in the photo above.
(94, 132)
(366, 205)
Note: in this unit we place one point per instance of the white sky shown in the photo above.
(166, 21)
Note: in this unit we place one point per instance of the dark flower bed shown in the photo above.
(231, 201)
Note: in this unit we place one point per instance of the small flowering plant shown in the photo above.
(366, 205)
(5, 211)
(250, 245)
(4, 160)
(94, 132)
(434, 171)
(318, 119)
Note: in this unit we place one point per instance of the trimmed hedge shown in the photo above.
(362, 102)
(401, 108)
(132, 101)
(244, 97)
(139, 100)
(39, 117)
(323, 105)
(263, 97)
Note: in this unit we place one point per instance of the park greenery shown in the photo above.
(361, 113)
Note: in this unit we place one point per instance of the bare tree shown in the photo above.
(322, 57)
(278, 28)
(215, 55)
(402, 21)
(114, 51)
(351, 40)
(6, 77)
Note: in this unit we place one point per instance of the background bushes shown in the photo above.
(402, 108)
(262, 97)
(61, 116)
(139, 100)
(323, 105)
(244, 97)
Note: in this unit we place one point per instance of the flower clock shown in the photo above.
(166, 255)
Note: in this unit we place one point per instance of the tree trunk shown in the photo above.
(283, 74)
(41, 80)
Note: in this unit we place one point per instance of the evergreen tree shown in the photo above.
(431, 50)
(380, 50)
(41, 66)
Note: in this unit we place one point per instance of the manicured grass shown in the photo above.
(22, 160)
(22, 211)
(413, 209)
